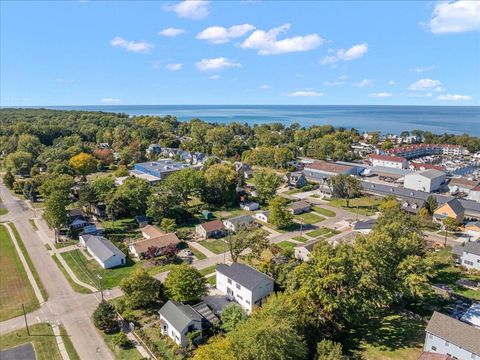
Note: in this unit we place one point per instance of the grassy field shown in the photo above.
(29, 261)
(393, 336)
(229, 213)
(119, 353)
(198, 254)
(78, 263)
(217, 246)
(364, 205)
(77, 288)
(42, 339)
(121, 229)
(286, 245)
(323, 211)
(309, 218)
(208, 270)
(212, 280)
(15, 288)
(300, 238)
(318, 232)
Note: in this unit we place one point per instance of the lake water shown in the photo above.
(387, 119)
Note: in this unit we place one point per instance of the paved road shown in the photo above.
(63, 306)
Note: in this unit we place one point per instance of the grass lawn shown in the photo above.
(198, 254)
(286, 245)
(212, 280)
(119, 353)
(366, 205)
(121, 228)
(393, 336)
(293, 191)
(77, 288)
(34, 226)
(308, 218)
(63, 244)
(15, 288)
(217, 246)
(3, 210)
(163, 343)
(43, 341)
(208, 270)
(300, 238)
(323, 211)
(87, 270)
(229, 213)
(29, 261)
(318, 232)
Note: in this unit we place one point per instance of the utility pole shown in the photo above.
(26, 322)
(101, 285)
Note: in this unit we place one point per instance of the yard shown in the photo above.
(121, 228)
(42, 339)
(119, 353)
(15, 288)
(364, 205)
(323, 232)
(323, 211)
(300, 238)
(198, 254)
(286, 245)
(74, 285)
(391, 336)
(87, 270)
(163, 344)
(208, 270)
(308, 218)
(229, 213)
(217, 246)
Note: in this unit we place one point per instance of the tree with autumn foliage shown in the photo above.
(83, 164)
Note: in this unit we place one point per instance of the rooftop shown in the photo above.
(455, 331)
(429, 173)
(213, 225)
(101, 247)
(158, 242)
(179, 315)
(327, 166)
(299, 205)
(152, 231)
(472, 247)
(163, 165)
(391, 158)
(364, 225)
(455, 205)
(245, 275)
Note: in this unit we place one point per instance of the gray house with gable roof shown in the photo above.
(103, 251)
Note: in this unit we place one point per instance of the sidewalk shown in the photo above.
(60, 344)
(72, 274)
(201, 248)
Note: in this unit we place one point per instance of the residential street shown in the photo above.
(63, 306)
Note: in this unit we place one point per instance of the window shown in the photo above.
(248, 302)
(434, 348)
(238, 286)
(229, 281)
(239, 297)
(468, 262)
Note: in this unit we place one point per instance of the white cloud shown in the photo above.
(265, 87)
(267, 44)
(190, 9)
(455, 17)
(174, 67)
(214, 77)
(355, 52)
(171, 32)
(380, 95)
(454, 97)
(309, 93)
(363, 83)
(391, 82)
(220, 35)
(138, 47)
(420, 69)
(110, 100)
(216, 64)
(427, 84)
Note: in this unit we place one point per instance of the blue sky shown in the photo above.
(248, 52)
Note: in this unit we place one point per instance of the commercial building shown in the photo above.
(427, 180)
(157, 170)
(321, 170)
(397, 162)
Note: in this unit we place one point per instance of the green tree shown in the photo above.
(185, 283)
(19, 162)
(431, 204)
(8, 179)
(121, 340)
(141, 290)
(105, 318)
(279, 214)
(130, 198)
(344, 187)
(30, 143)
(329, 350)
(102, 187)
(247, 237)
(221, 185)
(266, 184)
(168, 225)
(55, 213)
(232, 315)
(83, 163)
(57, 183)
(217, 348)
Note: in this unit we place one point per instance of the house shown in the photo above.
(296, 179)
(461, 185)
(474, 194)
(427, 180)
(262, 216)
(210, 229)
(153, 149)
(397, 162)
(207, 215)
(411, 205)
(364, 227)
(304, 251)
(298, 207)
(468, 255)
(104, 146)
(448, 336)
(235, 223)
(452, 209)
(473, 229)
(472, 315)
(321, 170)
(198, 158)
(178, 319)
(77, 219)
(244, 284)
(103, 251)
(139, 248)
(151, 231)
(417, 166)
(250, 206)
(245, 169)
(158, 170)
(141, 220)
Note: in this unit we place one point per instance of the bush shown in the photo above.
(121, 340)
(105, 318)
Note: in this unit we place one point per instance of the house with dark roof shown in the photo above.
(451, 209)
(235, 223)
(299, 207)
(296, 179)
(304, 251)
(77, 219)
(468, 255)
(178, 319)
(364, 227)
(210, 229)
(411, 205)
(448, 336)
(103, 251)
(243, 284)
(262, 216)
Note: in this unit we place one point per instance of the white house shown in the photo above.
(249, 206)
(397, 162)
(304, 251)
(364, 227)
(427, 180)
(177, 320)
(262, 216)
(469, 255)
(449, 336)
(235, 223)
(299, 207)
(245, 285)
(103, 251)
